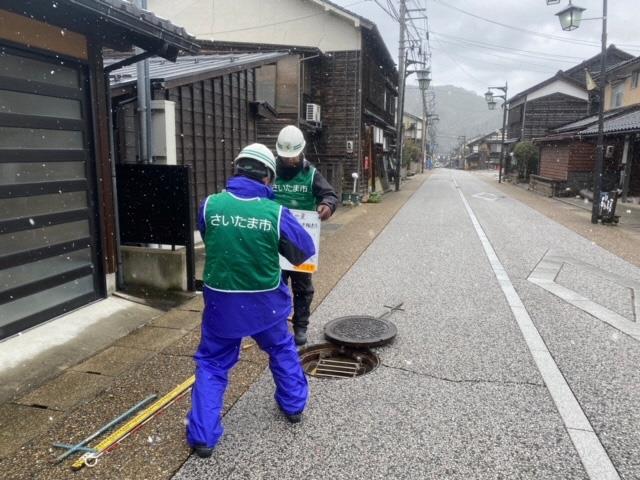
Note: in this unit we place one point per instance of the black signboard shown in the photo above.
(154, 206)
(608, 201)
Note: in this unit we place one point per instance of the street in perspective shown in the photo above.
(375, 239)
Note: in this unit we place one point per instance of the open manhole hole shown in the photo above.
(335, 361)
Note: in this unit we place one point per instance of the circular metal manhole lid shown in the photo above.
(333, 361)
(360, 331)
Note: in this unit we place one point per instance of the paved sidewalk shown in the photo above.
(623, 240)
(465, 391)
(153, 359)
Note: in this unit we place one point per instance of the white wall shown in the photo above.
(286, 22)
(559, 86)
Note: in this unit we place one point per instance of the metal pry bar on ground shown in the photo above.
(135, 422)
(78, 447)
(397, 308)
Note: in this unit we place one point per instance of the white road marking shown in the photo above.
(491, 197)
(546, 272)
(592, 453)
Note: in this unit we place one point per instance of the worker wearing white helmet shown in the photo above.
(300, 186)
(244, 230)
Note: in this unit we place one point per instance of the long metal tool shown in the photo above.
(108, 426)
(397, 308)
(67, 446)
(132, 424)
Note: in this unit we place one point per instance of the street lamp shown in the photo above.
(553, 2)
(491, 103)
(424, 78)
(571, 17)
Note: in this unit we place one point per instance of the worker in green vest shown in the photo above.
(299, 186)
(244, 230)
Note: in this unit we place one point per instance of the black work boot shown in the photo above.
(296, 418)
(300, 335)
(203, 452)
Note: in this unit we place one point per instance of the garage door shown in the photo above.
(48, 240)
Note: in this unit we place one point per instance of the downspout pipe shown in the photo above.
(112, 153)
(114, 187)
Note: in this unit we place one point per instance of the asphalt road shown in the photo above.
(491, 375)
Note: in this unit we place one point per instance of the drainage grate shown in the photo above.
(332, 361)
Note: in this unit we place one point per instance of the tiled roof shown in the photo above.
(626, 122)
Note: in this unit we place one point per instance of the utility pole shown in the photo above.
(424, 131)
(401, 80)
(597, 177)
(490, 97)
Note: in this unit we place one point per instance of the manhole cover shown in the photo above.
(360, 331)
(333, 361)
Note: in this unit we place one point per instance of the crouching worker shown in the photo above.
(244, 295)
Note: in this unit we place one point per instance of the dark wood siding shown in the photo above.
(560, 159)
(377, 81)
(214, 121)
(269, 128)
(554, 160)
(582, 158)
(336, 87)
(544, 114)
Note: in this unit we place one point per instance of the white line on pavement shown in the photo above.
(592, 453)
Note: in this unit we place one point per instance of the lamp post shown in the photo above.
(424, 80)
(425, 142)
(570, 19)
(490, 98)
(423, 75)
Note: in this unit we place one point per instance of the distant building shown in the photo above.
(484, 151)
(412, 128)
(556, 101)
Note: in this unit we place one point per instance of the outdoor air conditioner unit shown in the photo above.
(608, 153)
(378, 135)
(313, 113)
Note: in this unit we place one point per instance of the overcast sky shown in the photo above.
(457, 62)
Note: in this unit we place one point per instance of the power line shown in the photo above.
(282, 22)
(529, 32)
(511, 60)
(514, 56)
(473, 77)
(491, 45)
(386, 10)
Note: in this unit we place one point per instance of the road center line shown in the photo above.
(592, 453)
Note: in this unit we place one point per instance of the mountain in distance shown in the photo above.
(461, 112)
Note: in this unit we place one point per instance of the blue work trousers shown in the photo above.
(217, 355)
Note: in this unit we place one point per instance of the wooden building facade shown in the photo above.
(57, 222)
(567, 156)
(338, 61)
(215, 112)
(556, 101)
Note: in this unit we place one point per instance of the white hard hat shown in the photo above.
(290, 142)
(261, 153)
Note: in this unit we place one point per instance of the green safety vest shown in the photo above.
(241, 241)
(296, 193)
